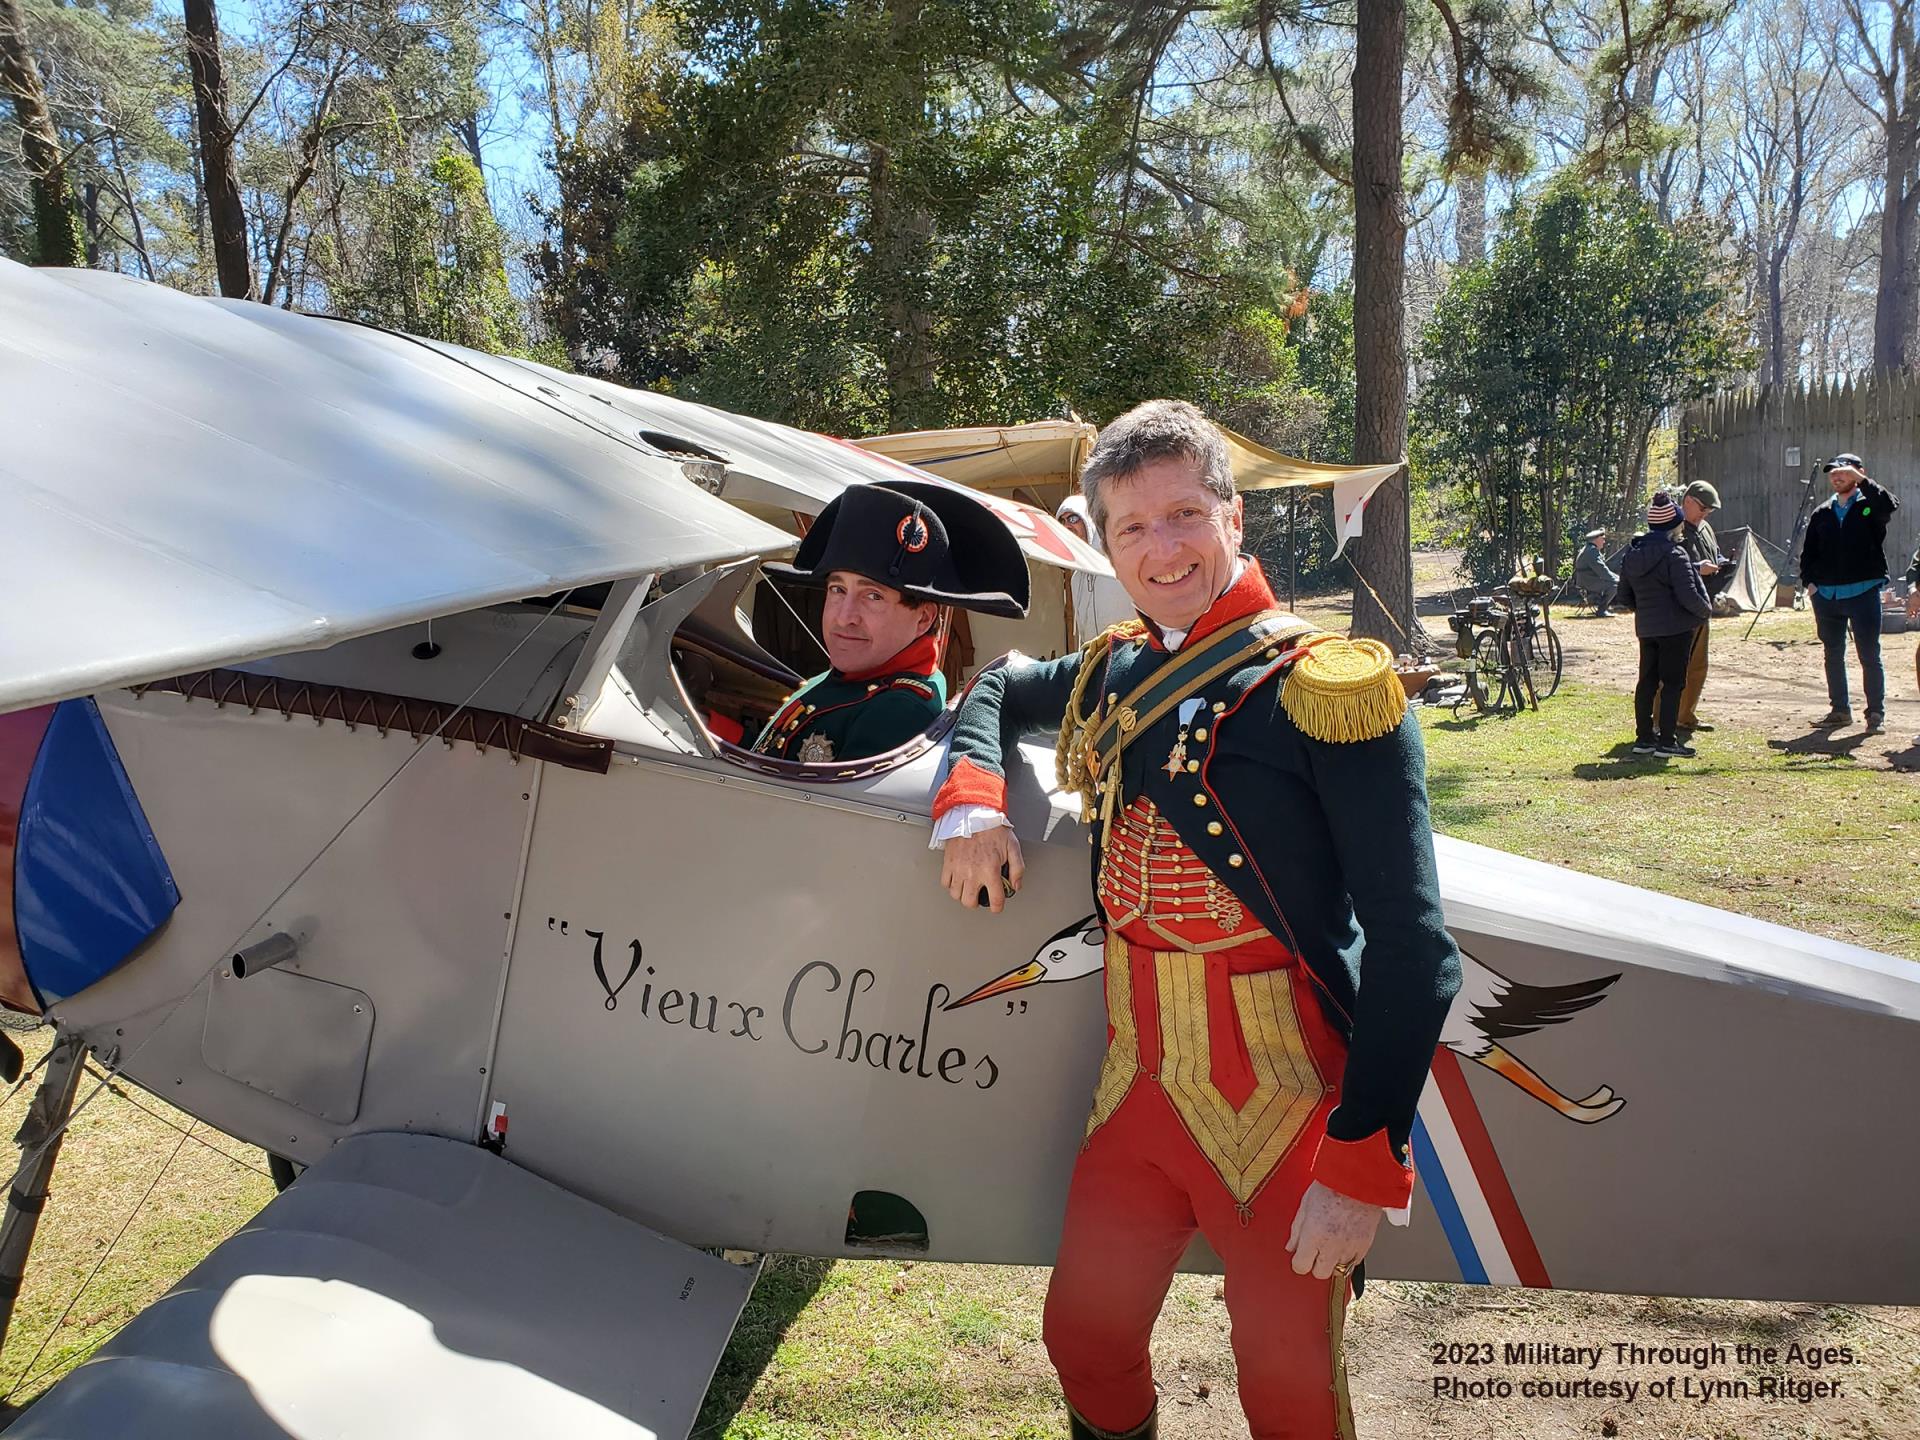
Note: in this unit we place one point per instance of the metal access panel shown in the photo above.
(412, 1286)
(394, 870)
(298, 1039)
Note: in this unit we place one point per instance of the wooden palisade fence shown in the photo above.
(1740, 443)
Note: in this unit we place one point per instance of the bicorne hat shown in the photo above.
(928, 542)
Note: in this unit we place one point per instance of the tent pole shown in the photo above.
(39, 1141)
(1293, 552)
(1799, 525)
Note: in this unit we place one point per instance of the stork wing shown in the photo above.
(187, 483)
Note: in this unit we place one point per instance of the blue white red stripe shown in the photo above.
(1455, 1159)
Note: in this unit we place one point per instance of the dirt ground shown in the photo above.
(1767, 676)
(1872, 1385)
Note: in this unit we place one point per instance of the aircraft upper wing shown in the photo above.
(789, 469)
(187, 483)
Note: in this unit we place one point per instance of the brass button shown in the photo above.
(1113, 697)
(872, 688)
(1213, 827)
(1274, 653)
(1201, 733)
(1192, 765)
(1219, 707)
(1200, 799)
(1236, 861)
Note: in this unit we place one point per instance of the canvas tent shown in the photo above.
(1040, 462)
(1752, 581)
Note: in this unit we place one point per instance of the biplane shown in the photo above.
(361, 794)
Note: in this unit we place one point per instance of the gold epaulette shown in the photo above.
(1343, 690)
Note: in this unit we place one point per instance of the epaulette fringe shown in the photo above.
(1070, 749)
(1344, 690)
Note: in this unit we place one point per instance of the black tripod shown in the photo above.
(1799, 528)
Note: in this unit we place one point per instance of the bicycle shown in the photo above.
(1509, 640)
(1533, 627)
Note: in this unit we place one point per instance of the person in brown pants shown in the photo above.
(1702, 547)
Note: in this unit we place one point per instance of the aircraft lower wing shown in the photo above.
(408, 1286)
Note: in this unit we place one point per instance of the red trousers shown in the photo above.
(1140, 1189)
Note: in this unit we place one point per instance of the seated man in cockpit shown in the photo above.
(889, 557)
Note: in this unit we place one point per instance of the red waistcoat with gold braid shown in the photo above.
(1205, 1001)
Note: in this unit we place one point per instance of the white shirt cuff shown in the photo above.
(964, 820)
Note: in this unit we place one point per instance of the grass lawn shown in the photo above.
(205, 1186)
(1800, 837)
(872, 1349)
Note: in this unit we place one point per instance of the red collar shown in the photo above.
(922, 657)
(1248, 595)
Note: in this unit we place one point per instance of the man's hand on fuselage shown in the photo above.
(1331, 1232)
(971, 864)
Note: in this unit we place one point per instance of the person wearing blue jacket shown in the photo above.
(1661, 588)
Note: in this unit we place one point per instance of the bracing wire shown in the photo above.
(138, 1206)
(119, 1062)
(201, 1140)
(811, 634)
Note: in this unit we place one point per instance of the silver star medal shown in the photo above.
(1177, 756)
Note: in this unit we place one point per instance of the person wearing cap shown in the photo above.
(1592, 576)
(1702, 547)
(1277, 963)
(1843, 566)
(889, 557)
(1663, 590)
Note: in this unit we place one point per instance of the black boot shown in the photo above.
(1147, 1429)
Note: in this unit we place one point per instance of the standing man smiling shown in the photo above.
(1277, 969)
(1843, 564)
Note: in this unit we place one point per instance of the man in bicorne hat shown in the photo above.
(889, 557)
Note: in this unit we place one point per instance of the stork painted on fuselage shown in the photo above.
(1489, 1009)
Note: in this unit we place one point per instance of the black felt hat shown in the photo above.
(924, 540)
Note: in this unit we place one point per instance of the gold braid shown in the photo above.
(1070, 750)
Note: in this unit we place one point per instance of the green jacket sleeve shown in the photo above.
(1003, 707)
(1374, 797)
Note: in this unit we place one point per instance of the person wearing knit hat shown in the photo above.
(1661, 588)
(1074, 515)
(1843, 568)
(1098, 601)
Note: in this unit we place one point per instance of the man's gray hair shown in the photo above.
(1156, 430)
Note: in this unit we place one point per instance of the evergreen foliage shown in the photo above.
(1550, 365)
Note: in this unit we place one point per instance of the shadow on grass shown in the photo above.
(1620, 763)
(1820, 742)
(784, 1289)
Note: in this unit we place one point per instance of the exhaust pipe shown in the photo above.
(276, 949)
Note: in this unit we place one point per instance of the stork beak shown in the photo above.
(1031, 973)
